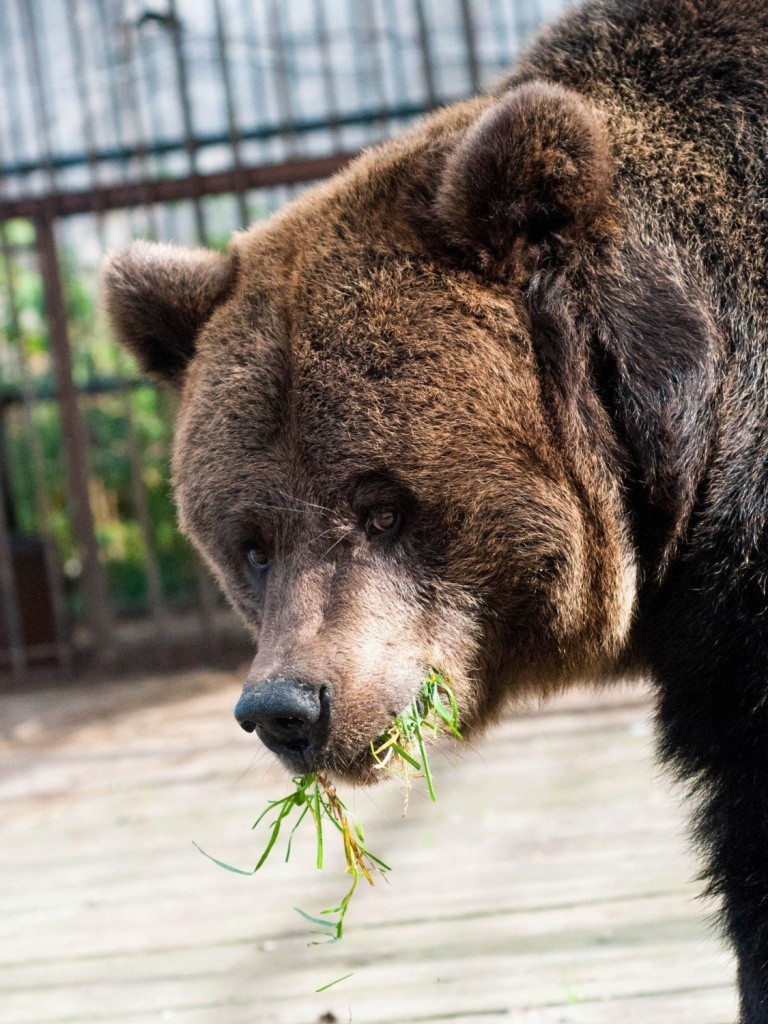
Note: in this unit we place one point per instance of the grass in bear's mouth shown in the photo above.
(401, 751)
(403, 744)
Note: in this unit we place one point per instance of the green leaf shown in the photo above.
(316, 920)
(301, 818)
(331, 983)
(427, 772)
(406, 756)
(221, 863)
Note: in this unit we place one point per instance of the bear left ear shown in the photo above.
(159, 296)
(534, 168)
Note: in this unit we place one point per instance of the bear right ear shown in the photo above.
(159, 296)
(534, 170)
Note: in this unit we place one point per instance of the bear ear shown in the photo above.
(534, 168)
(158, 297)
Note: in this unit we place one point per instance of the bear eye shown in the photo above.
(382, 520)
(258, 558)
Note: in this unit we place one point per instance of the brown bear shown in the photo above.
(494, 401)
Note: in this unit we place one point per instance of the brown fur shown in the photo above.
(535, 326)
(346, 342)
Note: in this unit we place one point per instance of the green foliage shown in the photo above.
(403, 746)
(109, 416)
(315, 798)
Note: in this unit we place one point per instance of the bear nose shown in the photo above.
(290, 714)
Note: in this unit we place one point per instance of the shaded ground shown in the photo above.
(548, 885)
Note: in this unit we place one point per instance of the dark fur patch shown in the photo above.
(536, 165)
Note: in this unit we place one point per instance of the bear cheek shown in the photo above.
(384, 659)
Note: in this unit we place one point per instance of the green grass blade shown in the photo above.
(301, 818)
(316, 920)
(425, 759)
(286, 810)
(381, 864)
(406, 756)
(222, 864)
(319, 826)
(330, 984)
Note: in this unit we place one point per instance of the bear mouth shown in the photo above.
(302, 758)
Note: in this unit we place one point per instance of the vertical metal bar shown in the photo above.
(153, 91)
(37, 461)
(370, 47)
(470, 42)
(141, 507)
(86, 119)
(393, 36)
(126, 59)
(10, 90)
(257, 77)
(229, 99)
(283, 81)
(358, 57)
(427, 66)
(38, 88)
(174, 26)
(11, 616)
(326, 70)
(73, 431)
(155, 598)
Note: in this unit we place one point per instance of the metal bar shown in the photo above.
(16, 648)
(323, 41)
(370, 46)
(173, 24)
(155, 598)
(152, 91)
(283, 86)
(359, 61)
(17, 653)
(470, 42)
(138, 492)
(262, 133)
(37, 460)
(257, 77)
(10, 92)
(74, 436)
(169, 190)
(427, 64)
(38, 89)
(391, 20)
(229, 101)
(127, 56)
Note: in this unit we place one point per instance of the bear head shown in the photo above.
(385, 471)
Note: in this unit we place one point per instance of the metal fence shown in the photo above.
(179, 120)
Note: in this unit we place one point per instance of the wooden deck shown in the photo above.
(548, 885)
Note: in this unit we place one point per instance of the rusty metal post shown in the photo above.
(16, 650)
(37, 460)
(74, 436)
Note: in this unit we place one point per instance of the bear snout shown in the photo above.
(291, 716)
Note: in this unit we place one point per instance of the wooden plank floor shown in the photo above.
(548, 885)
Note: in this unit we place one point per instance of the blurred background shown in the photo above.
(178, 120)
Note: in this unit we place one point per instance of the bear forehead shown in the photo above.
(372, 352)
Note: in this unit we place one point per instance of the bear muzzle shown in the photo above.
(291, 716)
